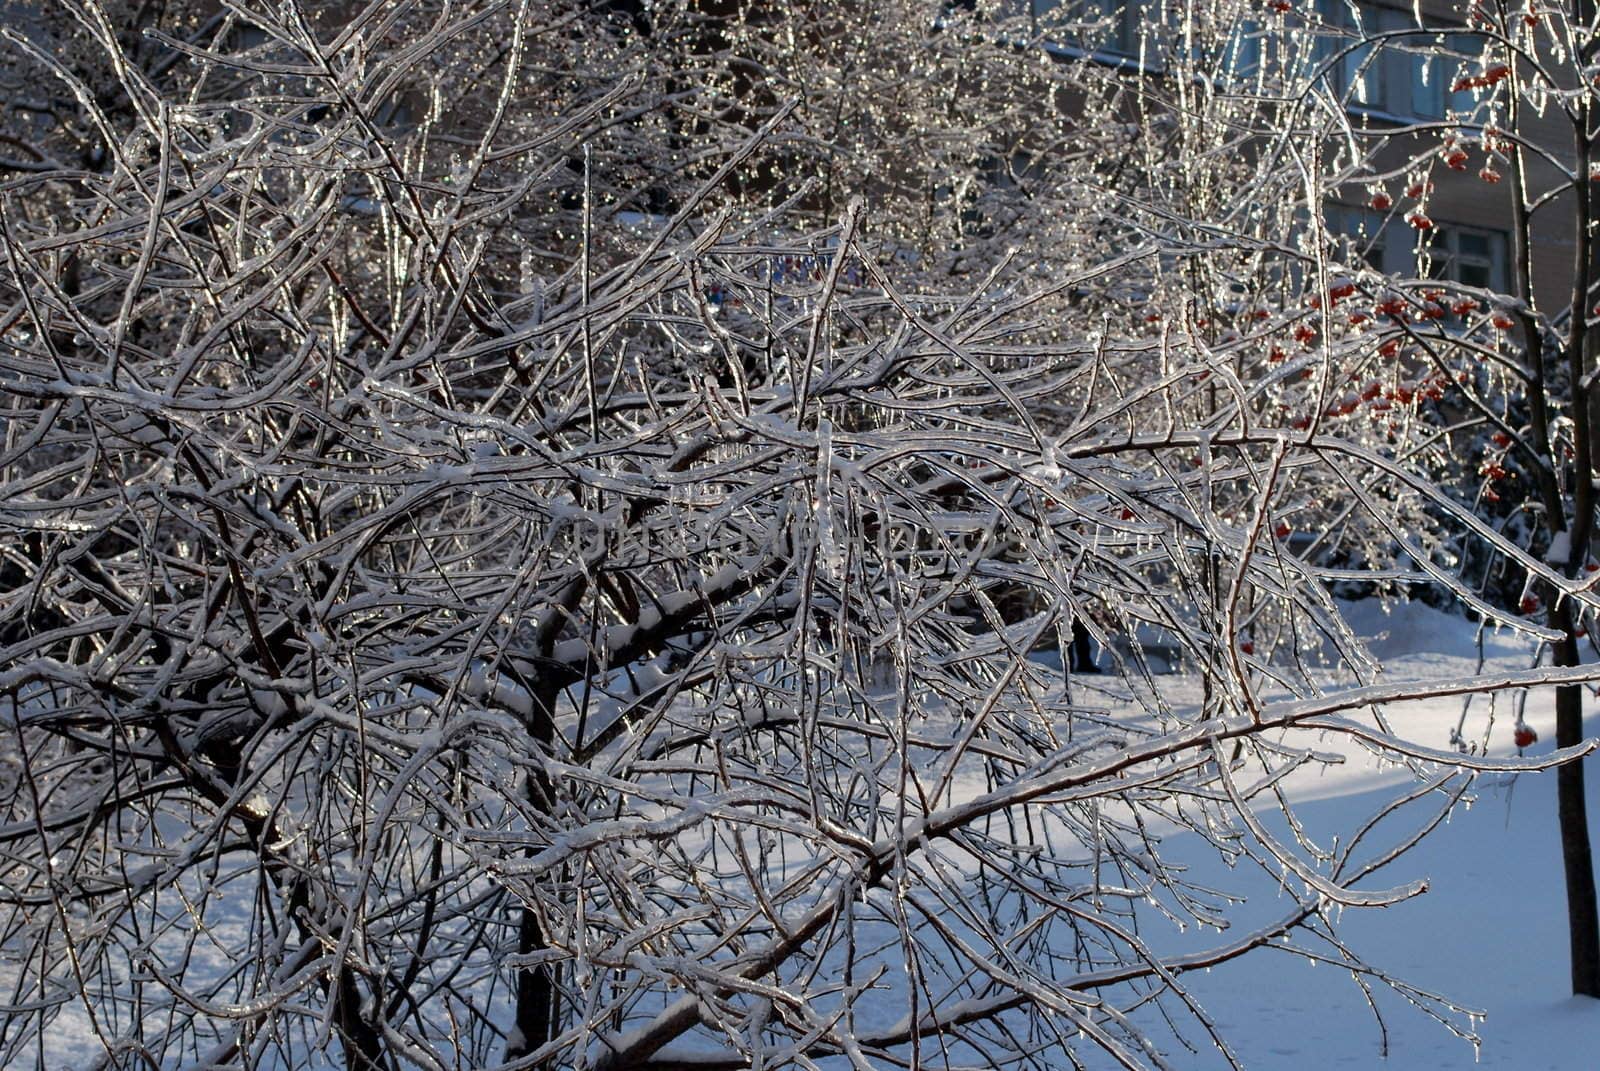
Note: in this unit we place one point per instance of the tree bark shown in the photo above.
(1583, 920)
(536, 1012)
(362, 1041)
(535, 993)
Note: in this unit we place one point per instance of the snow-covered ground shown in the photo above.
(1489, 934)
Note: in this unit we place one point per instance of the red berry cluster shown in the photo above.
(1492, 74)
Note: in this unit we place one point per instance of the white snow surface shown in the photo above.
(1490, 934)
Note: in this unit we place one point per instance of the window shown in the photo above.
(1431, 76)
(1241, 56)
(1471, 256)
(1143, 30)
(1382, 248)
(1123, 36)
(1467, 255)
(1121, 22)
(1405, 76)
(1356, 74)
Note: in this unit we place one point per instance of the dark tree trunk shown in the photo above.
(1583, 920)
(1082, 656)
(362, 1041)
(536, 991)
